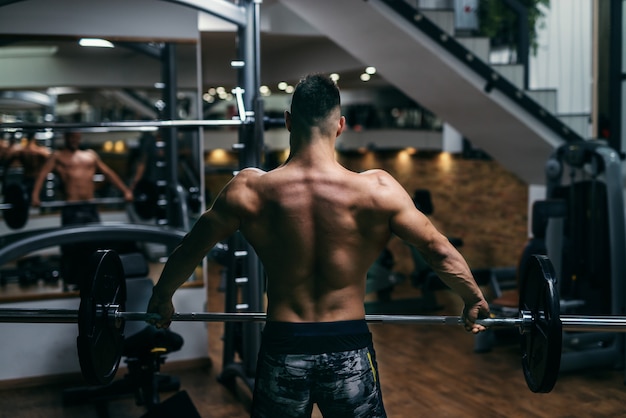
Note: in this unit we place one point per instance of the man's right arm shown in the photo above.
(216, 224)
(41, 177)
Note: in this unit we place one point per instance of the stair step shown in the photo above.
(478, 46)
(434, 4)
(578, 122)
(512, 72)
(442, 18)
(544, 97)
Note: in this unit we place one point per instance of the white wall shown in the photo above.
(114, 19)
(34, 350)
(564, 59)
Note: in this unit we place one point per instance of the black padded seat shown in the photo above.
(151, 340)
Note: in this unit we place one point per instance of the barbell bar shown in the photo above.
(138, 125)
(574, 323)
(101, 318)
(17, 202)
(62, 204)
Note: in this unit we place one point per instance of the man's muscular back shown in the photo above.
(317, 231)
(316, 226)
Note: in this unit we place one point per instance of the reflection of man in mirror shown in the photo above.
(31, 157)
(76, 168)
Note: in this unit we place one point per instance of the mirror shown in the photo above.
(55, 80)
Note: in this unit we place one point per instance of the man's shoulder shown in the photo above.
(377, 175)
(245, 178)
(251, 172)
(247, 174)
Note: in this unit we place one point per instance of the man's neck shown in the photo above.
(315, 149)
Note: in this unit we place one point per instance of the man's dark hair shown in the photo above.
(315, 96)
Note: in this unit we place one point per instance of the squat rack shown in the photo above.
(246, 296)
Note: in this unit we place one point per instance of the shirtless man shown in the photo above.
(76, 168)
(31, 157)
(317, 228)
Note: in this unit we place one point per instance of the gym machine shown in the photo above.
(588, 246)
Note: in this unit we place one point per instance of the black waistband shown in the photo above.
(315, 337)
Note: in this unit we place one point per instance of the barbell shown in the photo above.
(101, 318)
(16, 203)
(246, 118)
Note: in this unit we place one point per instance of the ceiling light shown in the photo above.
(334, 77)
(370, 70)
(365, 77)
(95, 42)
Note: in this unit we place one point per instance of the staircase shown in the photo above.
(417, 52)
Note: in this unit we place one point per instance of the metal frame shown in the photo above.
(33, 241)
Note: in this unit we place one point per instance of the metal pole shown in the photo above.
(170, 79)
(39, 316)
(616, 78)
(570, 322)
(251, 156)
(594, 323)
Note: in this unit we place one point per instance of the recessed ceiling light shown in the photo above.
(95, 42)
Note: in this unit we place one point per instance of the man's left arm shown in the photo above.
(113, 178)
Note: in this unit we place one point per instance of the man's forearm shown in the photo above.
(178, 268)
(37, 185)
(117, 182)
(453, 270)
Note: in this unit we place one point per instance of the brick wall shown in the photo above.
(475, 200)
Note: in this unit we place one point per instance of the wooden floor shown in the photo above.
(425, 371)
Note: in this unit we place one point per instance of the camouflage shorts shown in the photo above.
(343, 384)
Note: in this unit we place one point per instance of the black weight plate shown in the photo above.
(101, 337)
(145, 197)
(541, 345)
(16, 196)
